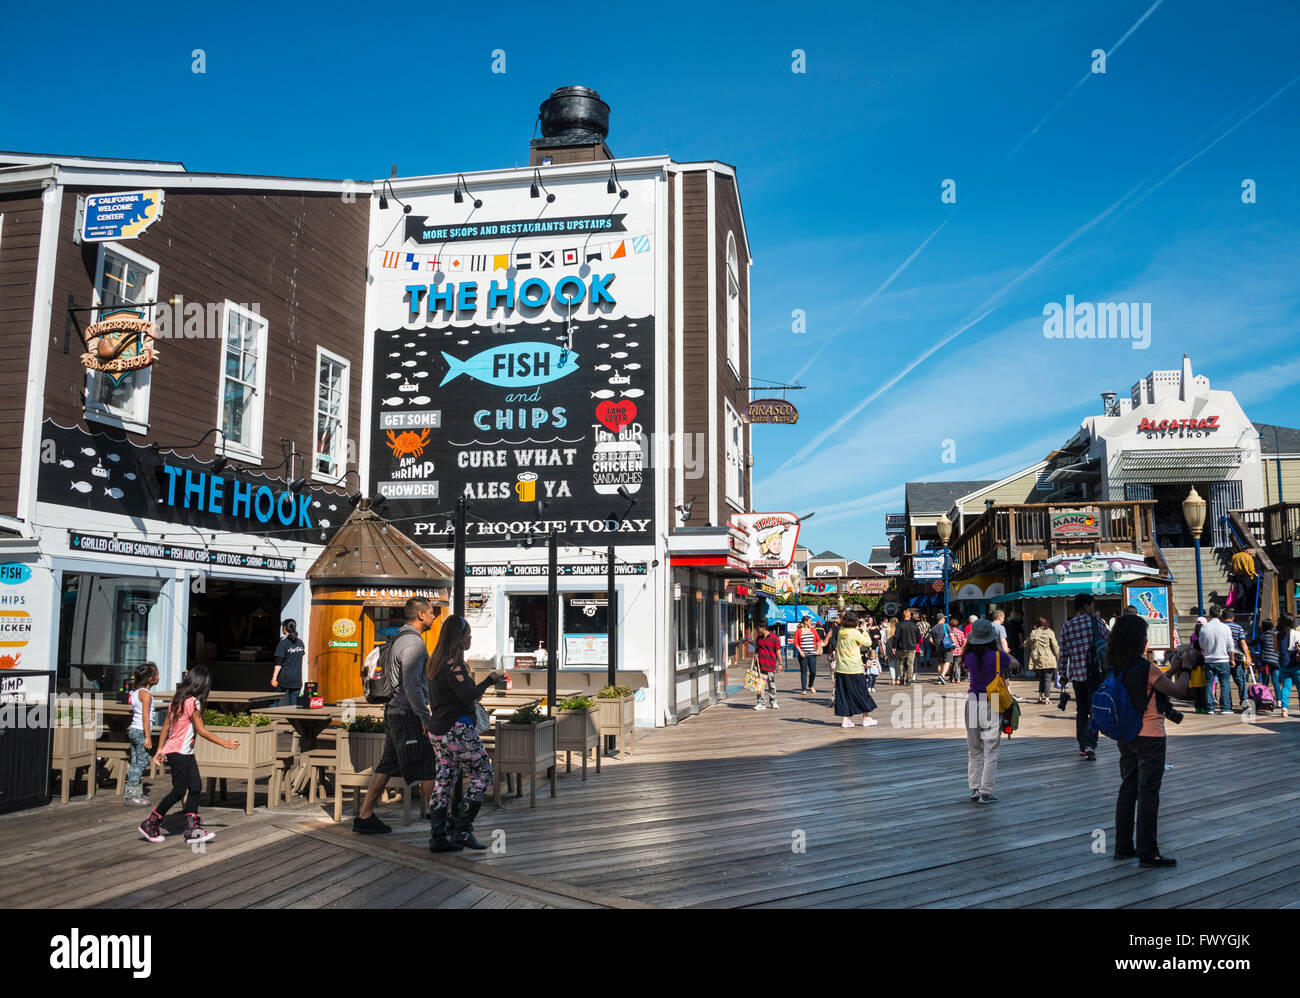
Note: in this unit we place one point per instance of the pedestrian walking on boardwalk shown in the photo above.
(983, 660)
(1080, 642)
(906, 637)
(454, 735)
(1044, 656)
(767, 649)
(807, 642)
(1288, 659)
(852, 697)
(1142, 760)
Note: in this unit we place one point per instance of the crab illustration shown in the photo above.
(11, 661)
(408, 443)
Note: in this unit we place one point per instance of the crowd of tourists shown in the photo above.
(1118, 684)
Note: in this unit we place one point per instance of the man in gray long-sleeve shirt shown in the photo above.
(408, 752)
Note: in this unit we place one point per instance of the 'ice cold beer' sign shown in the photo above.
(523, 414)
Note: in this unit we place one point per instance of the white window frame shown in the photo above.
(732, 292)
(230, 448)
(342, 440)
(136, 421)
(734, 460)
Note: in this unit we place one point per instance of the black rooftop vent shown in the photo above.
(575, 114)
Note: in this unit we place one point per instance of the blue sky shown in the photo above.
(1129, 190)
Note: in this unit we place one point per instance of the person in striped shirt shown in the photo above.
(807, 642)
(1240, 652)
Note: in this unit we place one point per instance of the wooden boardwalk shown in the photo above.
(738, 807)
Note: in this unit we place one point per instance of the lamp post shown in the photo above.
(1194, 516)
(944, 527)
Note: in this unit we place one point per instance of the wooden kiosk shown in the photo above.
(359, 586)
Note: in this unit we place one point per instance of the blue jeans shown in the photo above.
(290, 698)
(1285, 679)
(1218, 670)
(1239, 677)
(139, 762)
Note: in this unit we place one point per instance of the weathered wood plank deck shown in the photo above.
(739, 808)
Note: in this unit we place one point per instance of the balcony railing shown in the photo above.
(1005, 534)
(1281, 530)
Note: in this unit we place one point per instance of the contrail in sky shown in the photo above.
(872, 297)
(1086, 76)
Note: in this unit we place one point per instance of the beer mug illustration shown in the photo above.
(526, 486)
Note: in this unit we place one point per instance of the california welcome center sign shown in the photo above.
(513, 362)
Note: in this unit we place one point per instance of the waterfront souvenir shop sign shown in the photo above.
(514, 417)
(865, 587)
(770, 538)
(94, 472)
(121, 341)
(1080, 524)
(771, 411)
(155, 550)
(120, 215)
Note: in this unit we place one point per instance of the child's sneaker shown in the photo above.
(760, 705)
(870, 722)
(195, 832)
(775, 705)
(151, 827)
(847, 723)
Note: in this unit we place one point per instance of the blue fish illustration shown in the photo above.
(514, 366)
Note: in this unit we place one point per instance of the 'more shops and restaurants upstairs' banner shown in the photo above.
(514, 365)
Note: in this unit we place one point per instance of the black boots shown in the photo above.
(438, 838)
(461, 826)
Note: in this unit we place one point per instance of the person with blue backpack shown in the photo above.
(1130, 706)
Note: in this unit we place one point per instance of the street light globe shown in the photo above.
(1194, 513)
(1060, 569)
(944, 526)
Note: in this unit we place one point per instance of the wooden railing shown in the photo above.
(1010, 533)
(1281, 529)
(1244, 539)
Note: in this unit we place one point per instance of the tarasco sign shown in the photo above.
(771, 411)
(1079, 524)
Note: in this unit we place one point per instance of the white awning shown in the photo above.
(1177, 465)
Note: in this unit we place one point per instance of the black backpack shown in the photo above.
(387, 678)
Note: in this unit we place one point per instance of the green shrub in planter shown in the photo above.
(213, 718)
(531, 714)
(576, 703)
(366, 726)
(614, 693)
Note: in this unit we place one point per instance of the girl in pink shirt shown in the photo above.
(176, 744)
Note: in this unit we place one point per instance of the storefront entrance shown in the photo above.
(234, 628)
(108, 625)
(698, 637)
(527, 626)
(1171, 528)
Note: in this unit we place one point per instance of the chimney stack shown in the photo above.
(575, 122)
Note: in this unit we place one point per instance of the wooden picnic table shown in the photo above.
(226, 701)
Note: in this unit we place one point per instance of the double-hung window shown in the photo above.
(733, 305)
(329, 454)
(243, 381)
(122, 279)
(735, 457)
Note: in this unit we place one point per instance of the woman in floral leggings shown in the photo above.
(452, 695)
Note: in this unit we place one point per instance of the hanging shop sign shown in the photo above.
(895, 523)
(121, 341)
(1079, 524)
(476, 602)
(120, 215)
(154, 550)
(820, 588)
(866, 587)
(564, 570)
(770, 539)
(1150, 598)
(771, 411)
(767, 589)
(93, 471)
(926, 567)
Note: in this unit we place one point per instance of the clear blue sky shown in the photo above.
(1129, 189)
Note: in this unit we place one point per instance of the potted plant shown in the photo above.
(75, 734)
(360, 747)
(253, 760)
(577, 730)
(618, 714)
(525, 744)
